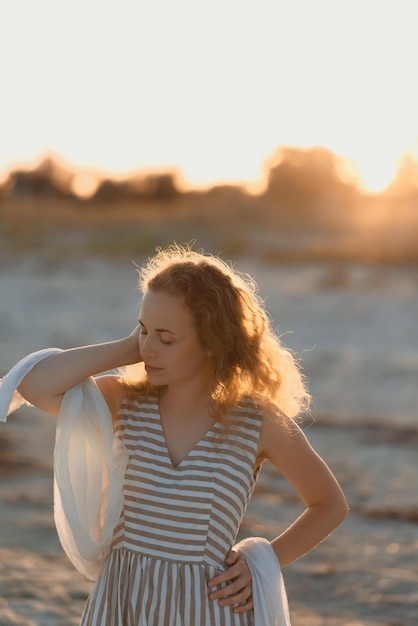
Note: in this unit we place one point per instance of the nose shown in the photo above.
(147, 347)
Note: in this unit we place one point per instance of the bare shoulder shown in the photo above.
(285, 445)
(113, 391)
(281, 437)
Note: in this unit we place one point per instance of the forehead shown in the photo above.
(162, 310)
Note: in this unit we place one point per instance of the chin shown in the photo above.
(154, 377)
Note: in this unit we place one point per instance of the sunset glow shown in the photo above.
(210, 89)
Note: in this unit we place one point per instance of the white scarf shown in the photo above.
(89, 467)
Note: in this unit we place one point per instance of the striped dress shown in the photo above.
(177, 523)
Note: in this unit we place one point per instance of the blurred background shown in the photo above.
(282, 136)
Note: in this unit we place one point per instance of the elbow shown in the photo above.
(333, 511)
(29, 389)
(343, 513)
(340, 509)
(43, 401)
(25, 391)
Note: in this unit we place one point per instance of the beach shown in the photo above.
(354, 327)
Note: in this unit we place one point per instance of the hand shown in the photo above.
(135, 335)
(238, 589)
(136, 330)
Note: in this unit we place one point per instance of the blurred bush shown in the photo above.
(307, 208)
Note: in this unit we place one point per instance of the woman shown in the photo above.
(212, 395)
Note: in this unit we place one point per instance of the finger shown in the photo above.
(237, 570)
(232, 557)
(242, 597)
(234, 588)
(243, 608)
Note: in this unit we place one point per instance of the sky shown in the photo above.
(209, 88)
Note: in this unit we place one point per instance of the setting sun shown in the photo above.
(211, 90)
(376, 172)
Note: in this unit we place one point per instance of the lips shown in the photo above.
(152, 370)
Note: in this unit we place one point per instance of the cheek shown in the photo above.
(197, 358)
(186, 358)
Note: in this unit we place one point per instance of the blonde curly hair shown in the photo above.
(232, 324)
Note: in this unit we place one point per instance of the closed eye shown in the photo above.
(144, 333)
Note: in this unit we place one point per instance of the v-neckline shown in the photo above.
(195, 446)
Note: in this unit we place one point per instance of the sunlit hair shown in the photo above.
(232, 325)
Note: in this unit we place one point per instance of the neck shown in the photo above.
(185, 402)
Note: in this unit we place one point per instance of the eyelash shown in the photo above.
(166, 343)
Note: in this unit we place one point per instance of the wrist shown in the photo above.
(131, 350)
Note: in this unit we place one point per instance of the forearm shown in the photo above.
(314, 525)
(56, 374)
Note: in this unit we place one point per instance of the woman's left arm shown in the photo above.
(287, 448)
(326, 507)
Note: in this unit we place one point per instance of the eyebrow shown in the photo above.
(159, 330)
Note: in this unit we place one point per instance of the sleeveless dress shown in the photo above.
(178, 522)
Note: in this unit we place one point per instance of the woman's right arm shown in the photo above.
(45, 385)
